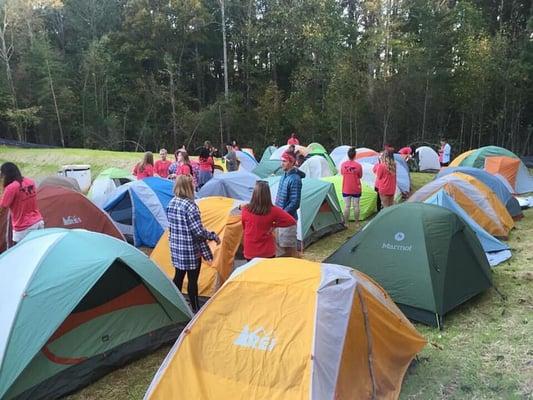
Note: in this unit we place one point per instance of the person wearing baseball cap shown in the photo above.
(288, 198)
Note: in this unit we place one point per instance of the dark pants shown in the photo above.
(378, 201)
(192, 285)
(444, 164)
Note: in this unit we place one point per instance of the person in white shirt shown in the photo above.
(445, 153)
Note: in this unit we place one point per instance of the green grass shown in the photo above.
(484, 352)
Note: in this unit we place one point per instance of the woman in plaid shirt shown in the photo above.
(188, 237)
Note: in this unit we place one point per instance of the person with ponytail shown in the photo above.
(20, 197)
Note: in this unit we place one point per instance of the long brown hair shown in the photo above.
(390, 163)
(261, 202)
(148, 158)
(183, 187)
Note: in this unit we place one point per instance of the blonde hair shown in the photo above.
(390, 163)
(183, 187)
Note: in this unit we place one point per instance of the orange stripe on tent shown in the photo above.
(137, 296)
(61, 360)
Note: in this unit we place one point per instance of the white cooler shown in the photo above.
(82, 173)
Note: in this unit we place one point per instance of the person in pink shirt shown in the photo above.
(161, 166)
(293, 140)
(351, 172)
(385, 171)
(20, 197)
(406, 153)
(145, 168)
(206, 166)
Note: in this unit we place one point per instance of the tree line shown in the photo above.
(144, 74)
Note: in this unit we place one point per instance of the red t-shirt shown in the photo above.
(184, 169)
(21, 199)
(206, 165)
(293, 141)
(385, 180)
(351, 172)
(258, 239)
(405, 151)
(161, 168)
(145, 173)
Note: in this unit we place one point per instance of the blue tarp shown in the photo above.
(237, 185)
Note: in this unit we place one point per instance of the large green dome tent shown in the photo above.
(425, 256)
(76, 304)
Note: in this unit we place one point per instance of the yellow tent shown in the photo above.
(222, 216)
(291, 329)
(477, 199)
(457, 160)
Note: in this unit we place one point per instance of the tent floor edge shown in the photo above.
(78, 376)
(319, 234)
(425, 317)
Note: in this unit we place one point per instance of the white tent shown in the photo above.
(339, 155)
(276, 155)
(316, 167)
(428, 159)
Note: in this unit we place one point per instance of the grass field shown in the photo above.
(484, 352)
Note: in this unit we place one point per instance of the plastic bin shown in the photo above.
(82, 173)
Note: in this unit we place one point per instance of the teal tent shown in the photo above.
(425, 256)
(319, 214)
(268, 167)
(76, 304)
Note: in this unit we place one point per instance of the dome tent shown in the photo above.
(403, 179)
(237, 185)
(316, 167)
(237, 348)
(247, 162)
(78, 305)
(268, 167)
(139, 209)
(106, 182)
(425, 256)
(428, 159)
(367, 201)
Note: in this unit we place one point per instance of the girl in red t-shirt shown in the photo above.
(351, 172)
(145, 168)
(259, 219)
(385, 171)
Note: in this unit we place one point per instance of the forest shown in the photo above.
(144, 74)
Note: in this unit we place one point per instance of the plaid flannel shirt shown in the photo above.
(187, 236)
(290, 192)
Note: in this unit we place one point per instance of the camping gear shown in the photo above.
(428, 159)
(367, 201)
(268, 167)
(247, 162)
(495, 250)
(513, 171)
(316, 149)
(222, 216)
(82, 173)
(316, 167)
(63, 181)
(476, 158)
(106, 182)
(139, 209)
(493, 183)
(403, 179)
(425, 256)
(319, 213)
(475, 198)
(65, 208)
(276, 155)
(291, 329)
(339, 155)
(75, 305)
(237, 185)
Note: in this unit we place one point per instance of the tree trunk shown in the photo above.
(225, 49)
(173, 105)
(425, 107)
(61, 136)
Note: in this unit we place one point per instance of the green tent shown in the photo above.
(367, 202)
(477, 158)
(316, 149)
(426, 257)
(106, 182)
(76, 304)
(319, 214)
(268, 167)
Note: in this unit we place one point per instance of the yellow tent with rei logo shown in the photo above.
(222, 216)
(291, 329)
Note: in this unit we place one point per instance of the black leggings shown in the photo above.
(192, 285)
(378, 201)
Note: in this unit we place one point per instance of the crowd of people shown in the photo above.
(269, 230)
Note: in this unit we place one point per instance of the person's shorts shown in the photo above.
(356, 196)
(286, 237)
(19, 235)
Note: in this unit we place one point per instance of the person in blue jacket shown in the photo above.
(288, 198)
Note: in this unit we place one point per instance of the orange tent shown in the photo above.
(505, 166)
(291, 329)
(66, 208)
(222, 216)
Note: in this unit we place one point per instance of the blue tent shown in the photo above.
(248, 162)
(403, 179)
(495, 250)
(493, 182)
(237, 185)
(139, 209)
